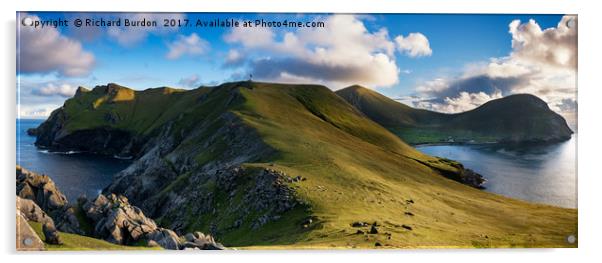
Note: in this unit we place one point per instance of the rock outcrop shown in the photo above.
(116, 221)
(30, 211)
(112, 217)
(43, 192)
(159, 181)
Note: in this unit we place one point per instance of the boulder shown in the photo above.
(373, 230)
(32, 212)
(166, 238)
(116, 221)
(43, 192)
(41, 189)
(51, 235)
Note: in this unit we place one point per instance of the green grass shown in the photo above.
(417, 135)
(356, 170)
(77, 242)
(368, 174)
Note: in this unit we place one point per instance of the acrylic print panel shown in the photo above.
(154, 131)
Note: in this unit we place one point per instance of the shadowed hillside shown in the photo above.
(515, 118)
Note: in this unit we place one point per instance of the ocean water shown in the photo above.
(537, 173)
(74, 173)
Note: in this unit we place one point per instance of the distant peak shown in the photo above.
(522, 99)
(356, 87)
(80, 90)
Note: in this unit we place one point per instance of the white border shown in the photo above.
(589, 125)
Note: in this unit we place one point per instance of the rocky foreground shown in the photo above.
(108, 217)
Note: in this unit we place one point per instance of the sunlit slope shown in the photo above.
(358, 171)
(355, 170)
(123, 108)
(515, 118)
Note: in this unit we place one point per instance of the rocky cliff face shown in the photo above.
(112, 217)
(165, 179)
(42, 190)
(116, 221)
(191, 156)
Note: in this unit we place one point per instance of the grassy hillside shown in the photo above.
(123, 108)
(77, 242)
(355, 170)
(515, 118)
(355, 177)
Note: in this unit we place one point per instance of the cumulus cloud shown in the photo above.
(414, 45)
(234, 58)
(53, 89)
(345, 52)
(542, 62)
(191, 81)
(192, 45)
(46, 50)
(39, 98)
(552, 46)
(130, 36)
(463, 102)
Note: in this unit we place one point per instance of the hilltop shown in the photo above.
(277, 165)
(516, 118)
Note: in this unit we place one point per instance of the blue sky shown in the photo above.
(445, 50)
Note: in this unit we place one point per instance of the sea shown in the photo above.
(538, 173)
(75, 174)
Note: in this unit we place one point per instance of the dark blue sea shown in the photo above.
(537, 173)
(75, 173)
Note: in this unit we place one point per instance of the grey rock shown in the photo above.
(32, 212)
(43, 192)
(51, 235)
(117, 221)
(166, 238)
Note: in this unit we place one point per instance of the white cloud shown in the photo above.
(192, 45)
(431, 86)
(463, 102)
(52, 89)
(414, 45)
(234, 58)
(344, 52)
(542, 63)
(553, 46)
(45, 50)
(191, 81)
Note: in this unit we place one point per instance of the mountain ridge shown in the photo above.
(517, 118)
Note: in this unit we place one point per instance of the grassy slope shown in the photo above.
(77, 242)
(367, 175)
(496, 120)
(355, 169)
(136, 111)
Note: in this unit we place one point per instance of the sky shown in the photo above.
(447, 63)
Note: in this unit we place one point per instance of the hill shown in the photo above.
(515, 118)
(295, 166)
